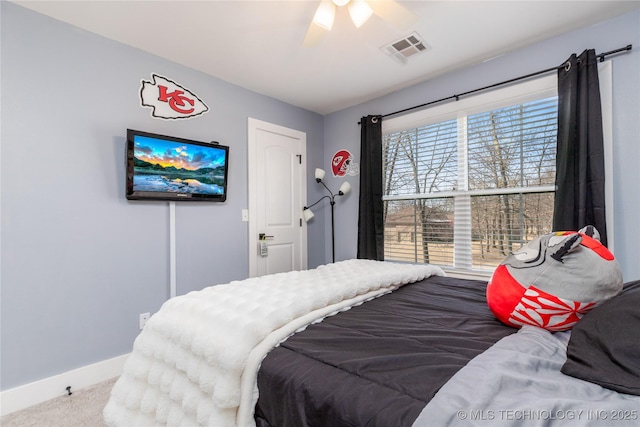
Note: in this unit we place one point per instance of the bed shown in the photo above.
(367, 343)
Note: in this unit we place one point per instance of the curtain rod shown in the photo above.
(457, 97)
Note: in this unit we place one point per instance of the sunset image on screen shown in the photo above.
(169, 166)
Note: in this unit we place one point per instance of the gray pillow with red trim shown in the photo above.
(554, 280)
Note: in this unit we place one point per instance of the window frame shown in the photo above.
(519, 93)
(516, 93)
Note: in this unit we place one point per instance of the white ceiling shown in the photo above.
(258, 44)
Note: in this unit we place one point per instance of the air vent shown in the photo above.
(402, 49)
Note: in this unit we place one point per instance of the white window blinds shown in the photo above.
(467, 183)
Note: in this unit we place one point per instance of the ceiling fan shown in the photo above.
(360, 11)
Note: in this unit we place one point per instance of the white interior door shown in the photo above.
(277, 193)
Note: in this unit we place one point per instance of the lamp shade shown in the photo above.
(307, 214)
(345, 188)
(319, 174)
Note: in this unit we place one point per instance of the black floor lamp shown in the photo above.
(308, 214)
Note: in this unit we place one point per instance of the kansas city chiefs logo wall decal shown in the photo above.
(168, 100)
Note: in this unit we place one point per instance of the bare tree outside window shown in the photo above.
(422, 161)
(509, 167)
(512, 147)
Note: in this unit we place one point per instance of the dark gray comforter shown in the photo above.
(380, 363)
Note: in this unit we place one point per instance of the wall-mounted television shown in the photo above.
(161, 167)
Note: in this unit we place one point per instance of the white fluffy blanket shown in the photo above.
(196, 361)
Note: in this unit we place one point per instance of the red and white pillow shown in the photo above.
(554, 280)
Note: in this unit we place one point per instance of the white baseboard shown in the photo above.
(39, 391)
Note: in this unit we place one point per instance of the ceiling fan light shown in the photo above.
(325, 15)
(360, 12)
(340, 2)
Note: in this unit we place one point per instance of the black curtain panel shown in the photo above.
(579, 198)
(370, 223)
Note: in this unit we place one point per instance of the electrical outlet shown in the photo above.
(143, 319)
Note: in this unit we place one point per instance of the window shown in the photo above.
(471, 180)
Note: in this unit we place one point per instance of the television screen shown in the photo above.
(162, 167)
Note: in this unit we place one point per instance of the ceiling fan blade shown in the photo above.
(394, 13)
(314, 35)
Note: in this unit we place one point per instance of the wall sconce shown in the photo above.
(308, 214)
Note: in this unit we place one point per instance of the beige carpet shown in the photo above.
(83, 408)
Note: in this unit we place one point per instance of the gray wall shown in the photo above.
(79, 262)
(341, 129)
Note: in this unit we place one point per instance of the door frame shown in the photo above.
(252, 126)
